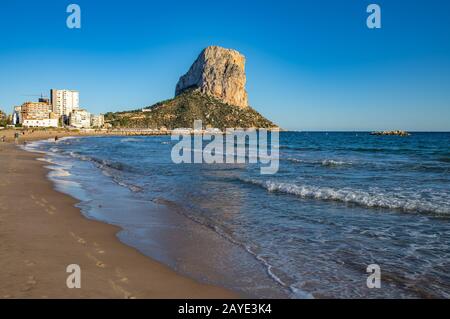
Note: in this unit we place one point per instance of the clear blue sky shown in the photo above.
(311, 65)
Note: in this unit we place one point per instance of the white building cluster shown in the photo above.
(62, 110)
(64, 102)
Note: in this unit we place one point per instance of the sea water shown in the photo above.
(339, 203)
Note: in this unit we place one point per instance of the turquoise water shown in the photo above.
(339, 202)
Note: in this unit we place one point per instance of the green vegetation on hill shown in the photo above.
(183, 110)
(3, 119)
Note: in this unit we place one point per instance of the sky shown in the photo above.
(311, 65)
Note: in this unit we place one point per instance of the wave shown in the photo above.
(296, 160)
(299, 148)
(131, 187)
(355, 149)
(119, 166)
(329, 162)
(385, 165)
(326, 162)
(106, 166)
(373, 199)
(129, 139)
(36, 146)
(297, 293)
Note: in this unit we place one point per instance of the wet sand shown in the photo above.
(41, 233)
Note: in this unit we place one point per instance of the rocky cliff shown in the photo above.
(212, 91)
(217, 72)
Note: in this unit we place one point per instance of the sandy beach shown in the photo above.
(41, 233)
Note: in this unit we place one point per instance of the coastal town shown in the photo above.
(57, 116)
(61, 110)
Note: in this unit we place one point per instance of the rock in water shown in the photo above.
(220, 73)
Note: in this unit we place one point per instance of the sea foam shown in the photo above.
(373, 198)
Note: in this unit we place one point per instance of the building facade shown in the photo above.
(64, 102)
(41, 123)
(80, 119)
(17, 115)
(37, 114)
(35, 110)
(97, 121)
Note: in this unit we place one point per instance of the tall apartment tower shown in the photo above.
(64, 102)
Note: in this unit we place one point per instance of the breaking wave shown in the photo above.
(326, 162)
(374, 198)
(129, 139)
(102, 163)
(334, 163)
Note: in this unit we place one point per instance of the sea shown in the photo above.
(340, 202)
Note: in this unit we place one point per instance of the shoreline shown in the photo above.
(30, 134)
(43, 232)
(155, 226)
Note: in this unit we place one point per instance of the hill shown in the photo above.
(184, 109)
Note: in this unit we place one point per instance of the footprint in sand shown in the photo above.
(98, 249)
(98, 262)
(31, 282)
(78, 239)
(50, 212)
(36, 201)
(29, 263)
(50, 209)
(119, 289)
(121, 275)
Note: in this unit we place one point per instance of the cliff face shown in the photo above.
(212, 91)
(220, 73)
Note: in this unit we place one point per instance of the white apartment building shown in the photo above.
(64, 102)
(97, 121)
(36, 114)
(80, 119)
(17, 115)
(41, 123)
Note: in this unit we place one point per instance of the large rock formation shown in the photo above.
(213, 91)
(220, 73)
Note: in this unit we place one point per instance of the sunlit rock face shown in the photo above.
(217, 72)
